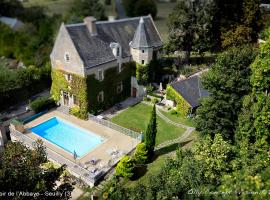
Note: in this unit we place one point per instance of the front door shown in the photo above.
(66, 98)
(134, 92)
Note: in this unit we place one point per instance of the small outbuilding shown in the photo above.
(13, 23)
(186, 94)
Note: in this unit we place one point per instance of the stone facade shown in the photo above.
(64, 46)
(74, 51)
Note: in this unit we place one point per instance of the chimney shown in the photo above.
(111, 18)
(90, 23)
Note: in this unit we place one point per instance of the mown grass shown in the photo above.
(137, 118)
(179, 119)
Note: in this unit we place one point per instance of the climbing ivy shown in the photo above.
(87, 89)
(109, 86)
(182, 106)
(77, 87)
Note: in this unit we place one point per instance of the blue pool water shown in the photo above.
(67, 136)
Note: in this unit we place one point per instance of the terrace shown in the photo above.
(107, 154)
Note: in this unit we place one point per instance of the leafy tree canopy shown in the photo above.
(20, 171)
(228, 82)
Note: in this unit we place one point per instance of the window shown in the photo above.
(76, 100)
(100, 96)
(67, 57)
(119, 88)
(119, 67)
(100, 75)
(68, 77)
(117, 51)
(142, 62)
(142, 51)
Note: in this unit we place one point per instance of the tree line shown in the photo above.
(213, 25)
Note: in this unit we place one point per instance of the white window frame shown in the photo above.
(68, 77)
(118, 51)
(119, 85)
(100, 96)
(119, 68)
(102, 75)
(67, 56)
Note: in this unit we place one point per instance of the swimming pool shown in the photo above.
(67, 136)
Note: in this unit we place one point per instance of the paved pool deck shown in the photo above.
(113, 140)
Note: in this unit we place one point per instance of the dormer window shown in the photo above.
(67, 57)
(116, 49)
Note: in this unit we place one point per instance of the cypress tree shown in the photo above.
(151, 132)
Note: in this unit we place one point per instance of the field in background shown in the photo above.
(61, 6)
(164, 9)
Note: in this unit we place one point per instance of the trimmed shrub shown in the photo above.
(154, 100)
(77, 112)
(149, 89)
(42, 104)
(125, 167)
(141, 154)
(146, 98)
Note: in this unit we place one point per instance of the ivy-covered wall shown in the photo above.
(109, 86)
(182, 106)
(87, 89)
(77, 87)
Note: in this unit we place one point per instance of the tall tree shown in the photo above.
(189, 26)
(20, 171)
(255, 119)
(151, 132)
(10, 7)
(84, 8)
(140, 7)
(227, 81)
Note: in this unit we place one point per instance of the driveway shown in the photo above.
(120, 9)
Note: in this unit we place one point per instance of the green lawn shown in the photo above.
(178, 119)
(61, 6)
(137, 118)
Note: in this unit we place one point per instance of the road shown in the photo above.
(120, 9)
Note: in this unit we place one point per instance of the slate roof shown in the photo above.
(13, 23)
(141, 37)
(191, 90)
(95, 50)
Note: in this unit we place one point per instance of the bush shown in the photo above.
(108, 2)
(141, 154)
(125, 167)
(154, 100)
(42, 104)
(76, 111)
(149, 89)
(146, 98)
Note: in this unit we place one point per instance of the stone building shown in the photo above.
(98, 55)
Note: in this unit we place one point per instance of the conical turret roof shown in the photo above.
(141, 37)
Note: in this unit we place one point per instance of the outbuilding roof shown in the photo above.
(191, 90)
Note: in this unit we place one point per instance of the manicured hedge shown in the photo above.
(182, 106)
(42, 103)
